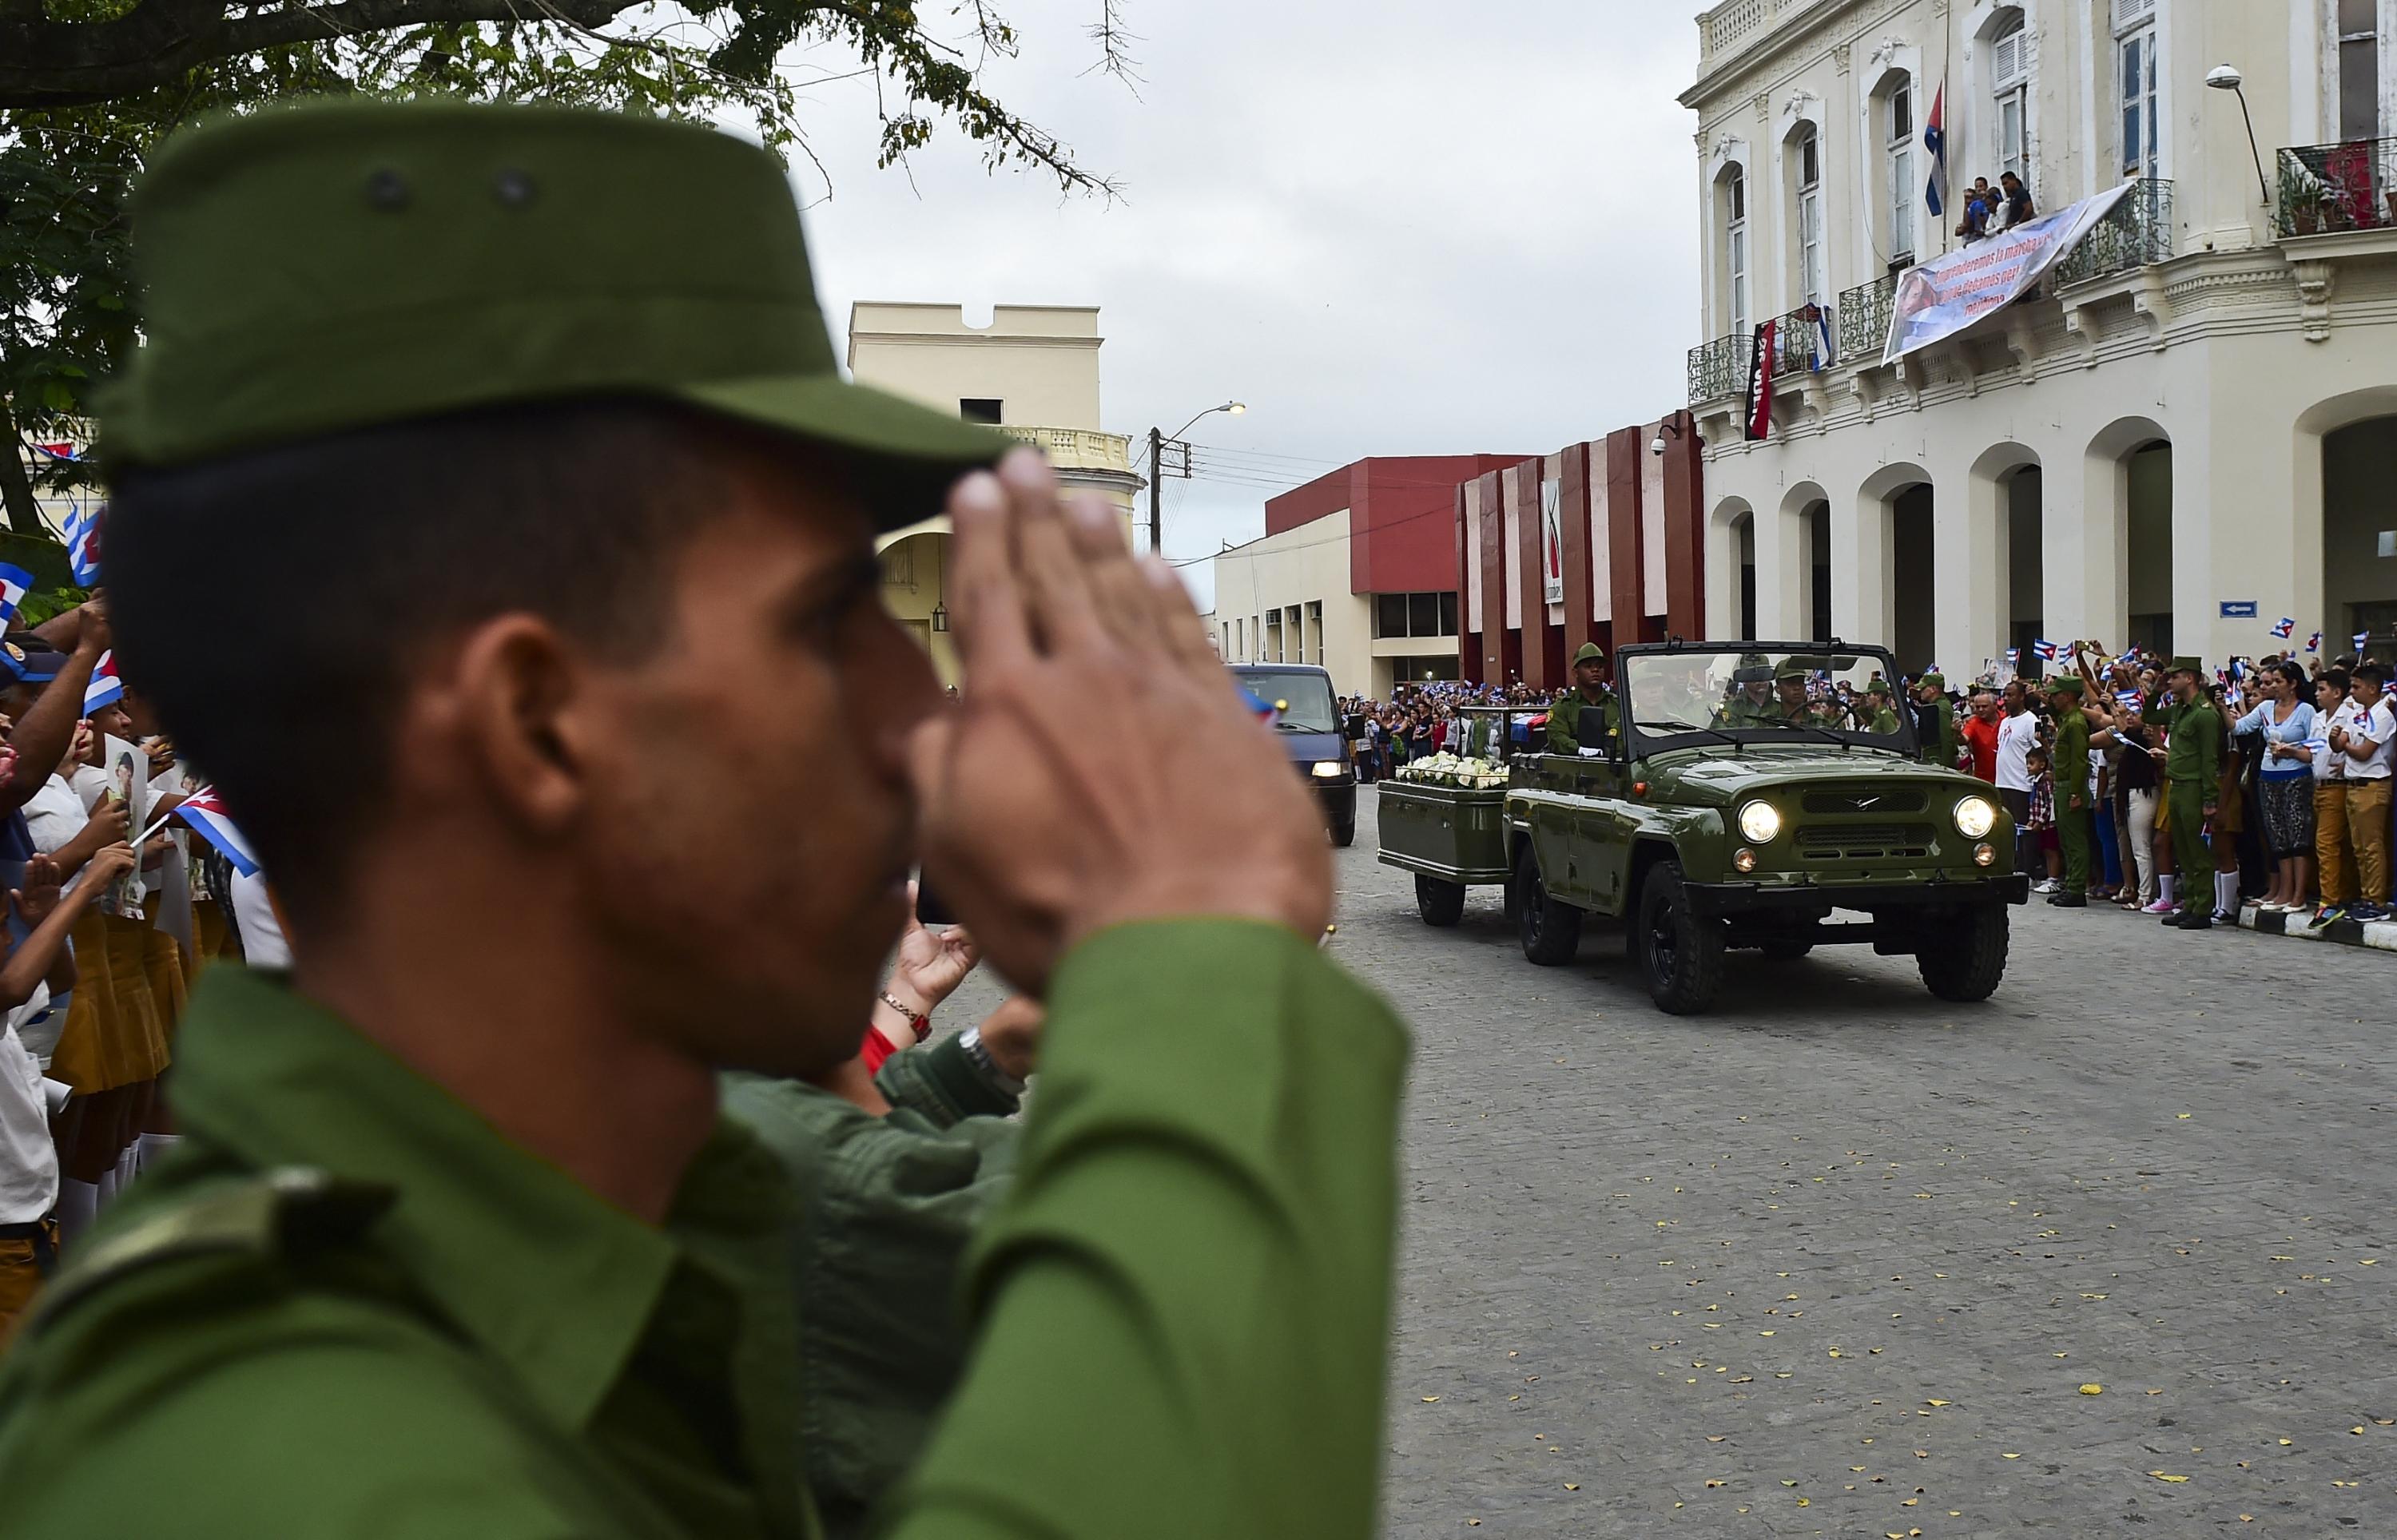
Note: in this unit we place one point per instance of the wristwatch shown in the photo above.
(979, 1057)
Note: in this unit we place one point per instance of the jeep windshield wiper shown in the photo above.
(1668, 726)
(1826, 733)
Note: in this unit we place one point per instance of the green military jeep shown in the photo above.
(1743, 803)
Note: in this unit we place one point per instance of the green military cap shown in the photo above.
(1590, 653)
(2064, 685)
(1880, 686)
(2186, 664)
(316, 269)
(1935, 681)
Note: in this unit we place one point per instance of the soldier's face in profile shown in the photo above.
(758, 826)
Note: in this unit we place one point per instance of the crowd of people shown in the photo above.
(2163, 786)
(1988, 210)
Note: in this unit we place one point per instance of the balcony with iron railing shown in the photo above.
(1720, 368)
(2329, 189)
(2134, 233)
(1864, 319)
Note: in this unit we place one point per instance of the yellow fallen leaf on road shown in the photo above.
(2182, 1115)
(1429, 1399)
(1573, 1486)
(1715, 1437)
(1765, 1333)
(2092, 1389)
(2286, 1443)
(2162, 1477)
(2357, 1428)
(1789, 1483)
(1935, 1403)
(1715, 1484)
(1803, 1503)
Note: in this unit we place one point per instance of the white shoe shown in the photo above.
(2048, 885)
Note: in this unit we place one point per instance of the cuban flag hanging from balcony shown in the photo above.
(1759, 384)
(1935, 145)
(1818, 319)
(2285, 627)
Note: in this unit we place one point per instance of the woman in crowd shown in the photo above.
(2284, 781)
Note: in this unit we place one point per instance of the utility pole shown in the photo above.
(1156, 490)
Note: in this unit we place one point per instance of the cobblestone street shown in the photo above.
(1841, 1259)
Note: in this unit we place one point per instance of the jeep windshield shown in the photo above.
(1761, 692)
(1303, 700)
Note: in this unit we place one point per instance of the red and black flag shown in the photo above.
(1759, 424)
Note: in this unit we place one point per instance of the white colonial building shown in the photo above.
(2196, 412)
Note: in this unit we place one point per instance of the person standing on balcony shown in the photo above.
(2019, 209)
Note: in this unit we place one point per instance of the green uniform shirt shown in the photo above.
(1564, 721)
(1885, 721)
(886, 1209)
(2070, 760)
(1741, 712)
(456, 1339)
(2193, 754)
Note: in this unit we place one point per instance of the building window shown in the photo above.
(2009, 78)
(981, 409)
(1809, 218)
(2134, 52)
(1736, 248)
(2358, 69)
(1414, 615)
(1902, 190)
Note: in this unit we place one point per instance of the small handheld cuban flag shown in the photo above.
(2313, 643)
(2363, 638)
(2132, 657)
(2048, 650)
(83, 545)
(207, 817)
(2285, 627)
(1263, 710)
(105, 688)
(2013, 655)
(15, 583)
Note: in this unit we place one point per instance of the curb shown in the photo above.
(2379, 935)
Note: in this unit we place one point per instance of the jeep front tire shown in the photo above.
(1679, 952)
(1963, 957)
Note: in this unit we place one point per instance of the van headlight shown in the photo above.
(1330, 769)
(1760, 821)
(1975, 816)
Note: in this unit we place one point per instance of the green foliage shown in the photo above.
(67, 301)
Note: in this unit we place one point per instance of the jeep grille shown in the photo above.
(1864, 842)
(1882, 799)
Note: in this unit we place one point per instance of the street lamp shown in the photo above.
(1157, 442)
(2225, 77)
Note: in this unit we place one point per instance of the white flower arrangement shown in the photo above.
(1454, 770)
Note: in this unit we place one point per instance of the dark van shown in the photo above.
(1309, 723)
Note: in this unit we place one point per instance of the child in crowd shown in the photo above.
(2042, 821)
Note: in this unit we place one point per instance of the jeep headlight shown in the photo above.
(1760, 821)
(1330, 769)
(1975, 816)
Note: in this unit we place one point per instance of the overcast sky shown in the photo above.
(1391, 227)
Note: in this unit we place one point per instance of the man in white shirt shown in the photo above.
(2018, 736)
(2367, 744)
(2334, 708)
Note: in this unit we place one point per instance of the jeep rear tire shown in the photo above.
(1550, 931)
(1962, 959)
(1677, 952)
(1440, 902)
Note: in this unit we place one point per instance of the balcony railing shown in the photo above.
(1798, 342)
(2326, 188)
(1078, 448)
(1864, 319)
(1720, 368)
(1733, 24)
(2136, 232)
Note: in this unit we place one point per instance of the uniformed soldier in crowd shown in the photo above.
(2193, 768)
(1568, 732)
(2070, 756)
(548, 492)
(1936, 720)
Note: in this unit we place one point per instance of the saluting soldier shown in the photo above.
(1568, 734)
(548, 490)
(2193, 765)
(2070, 758)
